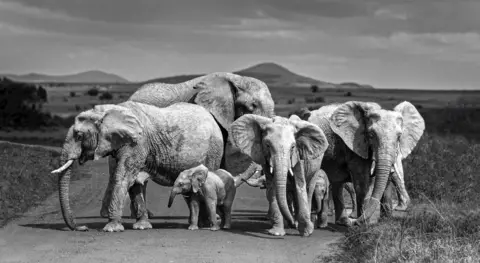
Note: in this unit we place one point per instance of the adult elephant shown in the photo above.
(359, 132)
(283, 146)
(226, 96)
(149, 143)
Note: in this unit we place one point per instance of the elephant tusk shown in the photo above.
(291, 171)
(271, 170)
(271, 165)
(63, 168)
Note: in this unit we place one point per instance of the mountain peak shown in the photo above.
(267, 68)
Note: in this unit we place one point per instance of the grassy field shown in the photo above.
(443, 223)
(25, 176)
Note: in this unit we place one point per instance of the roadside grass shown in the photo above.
(25, 178)
(443, 222)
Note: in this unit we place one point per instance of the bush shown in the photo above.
(318, 99)
(73, 94)
(106, 96)
(93, 91)
(21, 104)
(314, 88)
(348, 94)
(291, 101)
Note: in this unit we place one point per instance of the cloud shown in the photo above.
(390, 14)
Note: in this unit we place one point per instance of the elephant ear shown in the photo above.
(215, 93)
(199, 177)
(311, 141)
(349, 121)
(412, 128)
(246, 134)
(122, 126)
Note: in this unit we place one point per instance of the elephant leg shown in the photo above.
(144, 192)
(194, 207)
(274, 211)
(292, 205)
(115, 208)
(341, 217)
(398, 179)
(353, 197)
(321, 198)
(212, 212)
(112, 166)
(387, 202)
(139, 206)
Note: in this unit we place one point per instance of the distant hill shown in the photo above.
(93, 76)
(273, 75)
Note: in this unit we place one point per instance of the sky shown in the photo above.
(402, 44)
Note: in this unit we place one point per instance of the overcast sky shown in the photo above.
(387, 43)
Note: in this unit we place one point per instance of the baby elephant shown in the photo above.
(319, 187)
(214, 190)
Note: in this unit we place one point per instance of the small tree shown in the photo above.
(93, 92)
(73, 94)
(348, 94)
(106, 96)
(314, 88)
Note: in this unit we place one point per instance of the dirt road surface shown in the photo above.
(42, 236)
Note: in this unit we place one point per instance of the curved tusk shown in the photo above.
(271, 165)
(63, 168)
(291, 171)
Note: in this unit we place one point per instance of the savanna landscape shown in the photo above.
(441, 174)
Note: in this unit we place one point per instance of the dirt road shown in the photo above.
(41, 235)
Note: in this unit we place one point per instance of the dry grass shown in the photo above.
(443, 223)
(26, 179)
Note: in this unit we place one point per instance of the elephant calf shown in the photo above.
(318, 187)
(214, 188)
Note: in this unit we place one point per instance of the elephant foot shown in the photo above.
(215, 228)
(192, 227)
(276, 231)
(306, 230)
(133, 214)
(401, 207)
(322, 222)
(142, 224)
(353, 214)
(114, 226)
(345, 221)
(81, 228)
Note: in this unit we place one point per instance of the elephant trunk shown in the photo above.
(280, 169)
(173, 193)
(64, 183)
(382, 172)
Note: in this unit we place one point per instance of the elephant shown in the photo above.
(226, 96)
(147, 142)
(216, 189)
(282, 146)
(359, 132)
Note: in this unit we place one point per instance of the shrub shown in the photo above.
(106, 96)
(73, 94)
(318, 99)
(93, 91)
(348, 94)
(291, 101)
(314, 88)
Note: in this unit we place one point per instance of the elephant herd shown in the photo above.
(204, 137)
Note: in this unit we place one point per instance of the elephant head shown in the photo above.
(96, 133)
(373, 132)
(278, 144)
(189, 181)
